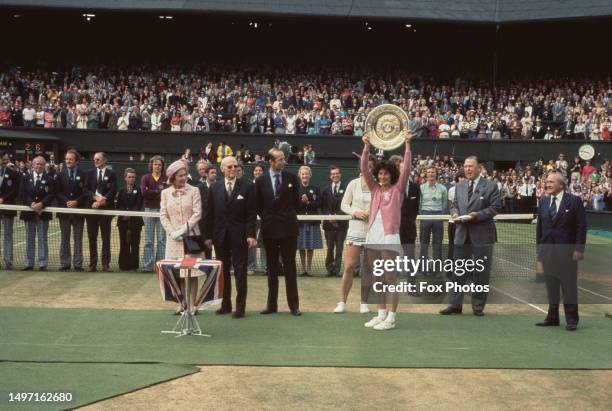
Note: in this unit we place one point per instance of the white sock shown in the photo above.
(391, 316)
(382, 314)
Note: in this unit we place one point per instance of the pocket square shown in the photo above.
(567, 210)
(412, 198)
(481, 197)
(240, 197)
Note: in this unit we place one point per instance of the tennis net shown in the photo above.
(515, 252)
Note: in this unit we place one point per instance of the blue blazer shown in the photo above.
(30, 192)
(568, 227)
(107, 187)
(66, 190)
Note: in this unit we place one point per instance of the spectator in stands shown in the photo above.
(29, 115)
(223, 150)
(10, 180)
(71, 192)
(129, 198)
(180, 214)
(37, 190)
(151, 186)
(335, 230)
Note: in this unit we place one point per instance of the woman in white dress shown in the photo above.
(356, 203)
(388, 186)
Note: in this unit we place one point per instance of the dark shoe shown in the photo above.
(105, 268)
(223, 310)
(91, 269)
(78, 269)
(296, 312)
(478, 313)
(238, 314)
(268, 311)
(450, 310)
(548, 323)
(305, 274)
(64, 268)
(571, 327)
(8, 267)
(27, 268)
(42, 268)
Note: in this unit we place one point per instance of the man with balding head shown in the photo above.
(37, 190)
(560, 236)
(278, 198)
(229, 223)
(477, 201)
(101, 190)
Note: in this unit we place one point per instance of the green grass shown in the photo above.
(315, 339)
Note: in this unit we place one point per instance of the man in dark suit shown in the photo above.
(9, 191)
(560, 237)
(410, 211)
(204, 186)
(229, 224)
(278, 198)
(71, 192)
(335, 231)
(37, 192)
(102, 189)
(129, 198)
(477, 201)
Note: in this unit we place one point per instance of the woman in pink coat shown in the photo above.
(180, 211)
(388, 186)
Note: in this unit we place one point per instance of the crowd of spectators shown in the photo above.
(522, 186)
(300, 101)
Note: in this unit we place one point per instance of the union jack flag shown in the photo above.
(211, 289)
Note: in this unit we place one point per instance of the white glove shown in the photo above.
(178, 233)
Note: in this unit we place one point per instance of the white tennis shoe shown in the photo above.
(374, 322)
(363, 308)
(387, 324)
(340, 308)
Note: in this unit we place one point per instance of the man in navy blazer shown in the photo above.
(71, 192)
(229, 224)
(278, 198)
(37, 192)
(9, 191)
(561, 236)
(102, 190)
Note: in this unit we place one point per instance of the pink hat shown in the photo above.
(175, 167)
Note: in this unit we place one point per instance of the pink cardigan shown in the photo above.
(390, 205)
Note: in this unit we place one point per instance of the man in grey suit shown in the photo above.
(477, 201)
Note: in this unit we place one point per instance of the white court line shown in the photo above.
(518, 299)
(579, 287)
(594, 293)
(48, 235)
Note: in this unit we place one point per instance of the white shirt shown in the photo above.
(103, 169)
(336, 188)
(232, 182)
(475, 183)
(559, 198)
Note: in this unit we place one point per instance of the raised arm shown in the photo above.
(405, 171)
(363, 163)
